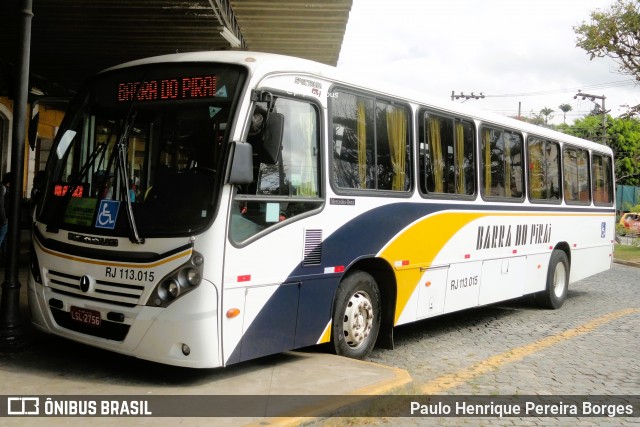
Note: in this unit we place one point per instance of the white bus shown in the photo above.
(203, 209)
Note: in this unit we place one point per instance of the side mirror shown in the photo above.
(273, 133)
(32, 134)
(60, 104)
(241, 164)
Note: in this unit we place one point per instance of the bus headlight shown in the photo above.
(179, 282)
(191, 276)
(168, 290)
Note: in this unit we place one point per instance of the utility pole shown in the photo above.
(466, 97)
(603, 111)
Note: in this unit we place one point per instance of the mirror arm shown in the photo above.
(263, 96)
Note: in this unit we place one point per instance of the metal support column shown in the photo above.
(12, 333)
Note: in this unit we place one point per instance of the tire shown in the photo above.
(356, 316)
(557, 281)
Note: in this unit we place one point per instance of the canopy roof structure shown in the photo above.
(73, 39)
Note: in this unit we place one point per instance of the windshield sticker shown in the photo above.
(107, 214)
(80, 211)
(213, 111)
(222, 92)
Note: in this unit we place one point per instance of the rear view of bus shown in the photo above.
(134, 179)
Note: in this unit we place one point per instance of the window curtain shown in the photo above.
(599, 187)
(507, 163)
(536, 179)
(583, 177)
(459, 159)
(397, 132)
(435, 148)
(362, 143)
(486, 140)
(308, 184)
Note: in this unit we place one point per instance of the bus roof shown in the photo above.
(269, 63)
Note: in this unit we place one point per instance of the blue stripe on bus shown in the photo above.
(298, 312)
(283, 324)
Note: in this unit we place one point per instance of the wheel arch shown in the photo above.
(564, 246)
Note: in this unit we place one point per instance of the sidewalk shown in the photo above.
(52, 366)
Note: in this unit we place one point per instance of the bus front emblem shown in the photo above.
(85, 282)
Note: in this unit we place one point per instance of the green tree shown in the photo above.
(589, 127)
(614, 33)
(565, 109)
(624, 139)
(546, 113)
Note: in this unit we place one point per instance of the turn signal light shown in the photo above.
(232, 312)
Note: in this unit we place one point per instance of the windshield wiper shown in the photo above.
(53, 226)
(121, 167)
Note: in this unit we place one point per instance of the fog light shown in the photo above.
(186, 350)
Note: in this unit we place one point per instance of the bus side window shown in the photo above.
(602, 183)
(447, 155)
(371, 143)
(502, 172)
(544, 170)
(575, 168)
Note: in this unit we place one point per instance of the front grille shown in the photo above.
(122, 294)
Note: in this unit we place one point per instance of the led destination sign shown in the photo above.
(168, 89)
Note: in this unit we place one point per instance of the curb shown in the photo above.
(314, 413)
(627, 263)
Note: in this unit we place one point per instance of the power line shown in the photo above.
(620, 83)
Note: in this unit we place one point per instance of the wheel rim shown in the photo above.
(559, 280)
(357, 319)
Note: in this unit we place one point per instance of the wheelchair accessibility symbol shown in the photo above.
(107, 214)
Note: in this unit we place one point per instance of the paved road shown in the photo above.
(588, 347)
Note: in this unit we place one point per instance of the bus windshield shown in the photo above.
(140, 152)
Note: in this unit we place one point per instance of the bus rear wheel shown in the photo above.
(356, 316)
(557, 281)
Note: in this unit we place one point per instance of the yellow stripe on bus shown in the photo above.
(114, 263)
(326, 334)
(423, 240)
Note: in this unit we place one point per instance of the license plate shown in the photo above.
(85, 316)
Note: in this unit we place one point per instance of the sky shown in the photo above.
(521, 54)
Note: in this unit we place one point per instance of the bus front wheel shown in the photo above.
(356, 316)
(557, 281)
